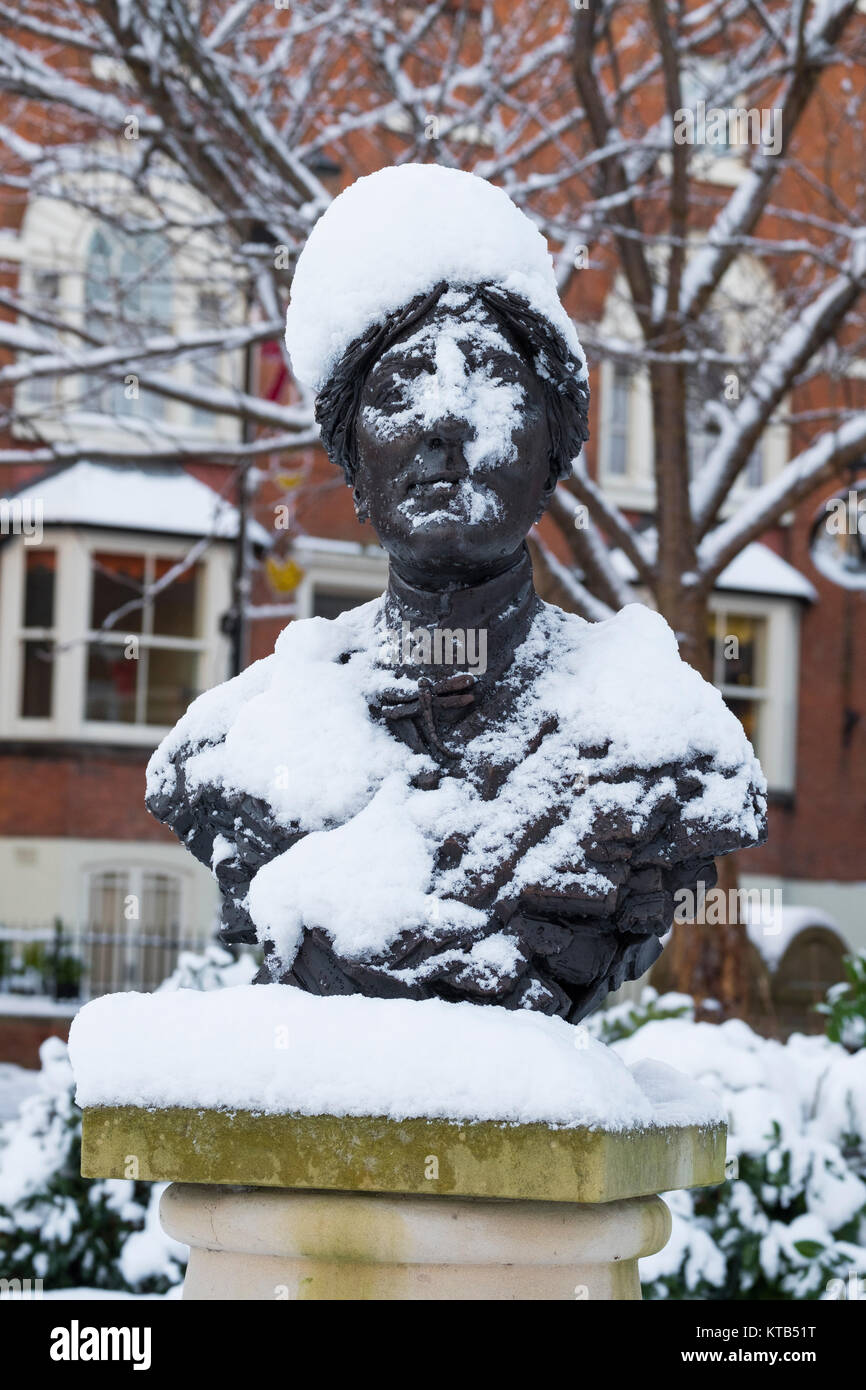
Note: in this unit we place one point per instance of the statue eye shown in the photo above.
(389, 395)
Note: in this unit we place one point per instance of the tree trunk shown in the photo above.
(710, 958)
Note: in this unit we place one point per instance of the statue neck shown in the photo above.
(494, 616)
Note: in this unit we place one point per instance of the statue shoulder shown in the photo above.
(206, 723)
(647, 724)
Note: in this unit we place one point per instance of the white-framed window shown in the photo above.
(44, 293)
(618, 419)
(144, 669)
(73, 677)
(754, 653)
(329, 601)
(337, 575)
(37, 635)
(697, 82)
(128, 289)
(209, 370)
(705, 389)
(133, 927)
(92, 274)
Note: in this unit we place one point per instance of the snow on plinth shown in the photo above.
(271, 1049)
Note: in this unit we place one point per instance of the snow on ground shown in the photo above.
(277, 1050)
(792, 1209)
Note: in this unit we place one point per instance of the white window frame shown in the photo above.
(129, 931)
(72, 632)
(339, 567)
(777, 720)
(55, 237)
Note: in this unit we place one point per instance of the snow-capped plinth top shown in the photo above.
(275, 1050)
(399, 233)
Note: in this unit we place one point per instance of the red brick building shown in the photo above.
(80, 712)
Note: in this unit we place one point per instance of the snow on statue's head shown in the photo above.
(450, 384)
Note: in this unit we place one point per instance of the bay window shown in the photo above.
(108, 637)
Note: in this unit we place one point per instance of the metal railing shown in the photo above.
(75, 963)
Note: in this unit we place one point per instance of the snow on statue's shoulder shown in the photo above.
(623, 680)
(351, 1055)
(292, 731)
(207, 720)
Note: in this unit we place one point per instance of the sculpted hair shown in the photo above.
(566, 397)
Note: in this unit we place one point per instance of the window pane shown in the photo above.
(329, 603)
(160, 929)
(174, 609)
(108, 891)
(617, 453)
(108, 932)
(116, 580)
(160, 902)
(748, 712)
(744, 646)
(111, 684)
(711, 645)
(38, 680)
(755, 467)
(46, 291)
(39, 588)
(171, 684)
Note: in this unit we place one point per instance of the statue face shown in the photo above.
(452, 445)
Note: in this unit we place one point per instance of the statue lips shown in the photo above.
(437, 488)
(437, 485)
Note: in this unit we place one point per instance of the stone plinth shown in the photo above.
(340, 1207)
(269, 1244)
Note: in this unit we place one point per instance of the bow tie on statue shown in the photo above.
(425, 702)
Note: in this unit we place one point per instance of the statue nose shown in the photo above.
(449, 434)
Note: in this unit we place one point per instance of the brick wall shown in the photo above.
(21, 1038)
(87, 792)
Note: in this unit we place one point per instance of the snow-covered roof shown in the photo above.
(772, 929)
(756, 570)
(759, 570)
(163, 498)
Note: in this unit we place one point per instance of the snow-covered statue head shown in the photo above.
(450, 384)
(455, 790)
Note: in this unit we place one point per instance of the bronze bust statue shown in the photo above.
(456, 790)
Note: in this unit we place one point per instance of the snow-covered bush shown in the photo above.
(67, 1230)
(621, 1020)
(70, 1231)
(213, 968)
(845, 1007)
(790, 1220)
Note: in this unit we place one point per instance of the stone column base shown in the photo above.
(273, 1244)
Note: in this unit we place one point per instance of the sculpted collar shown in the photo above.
(491, 619)
(453, 646)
